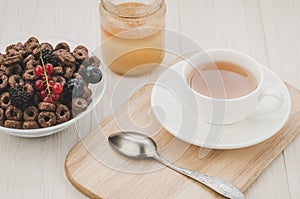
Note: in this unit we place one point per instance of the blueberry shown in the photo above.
(75, 87)
(91, 74)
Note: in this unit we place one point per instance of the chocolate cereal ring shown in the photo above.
(45, 106)
(62, 45)
(19, 46)
(12, 124)
(28, 88)
(31, 64)
(16, 49)
(79, 105)
(67, 59)
(29, 57)
(59, 79)
(77, 76)
(2, 114)
(46, 119)
(68, 73)
(12, 52)
(2, 58)
(4, 69)
(30, 75)
(30, 125)
(15, 59)
(3, 81)
(46, 45)
(15, 80)
(36, 99)
(81, 53)
(5, 100)
(9, 47)
(87, 93)
(13, 113)
(14, 69)
(36, 51)
(58, 70)
(59, 52)
(30, 41)
(31, 44)
(30, 113)
(62, 114)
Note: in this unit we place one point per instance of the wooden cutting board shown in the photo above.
(99, 172)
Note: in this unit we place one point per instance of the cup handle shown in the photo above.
(269, 92)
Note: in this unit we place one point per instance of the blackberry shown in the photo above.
(18, 97)
(49, 57)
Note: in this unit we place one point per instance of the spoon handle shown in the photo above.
(222, 187)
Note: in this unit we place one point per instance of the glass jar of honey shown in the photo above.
(132, 35)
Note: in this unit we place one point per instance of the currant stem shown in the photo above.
(45, 72)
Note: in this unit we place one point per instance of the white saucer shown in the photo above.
(173, 108)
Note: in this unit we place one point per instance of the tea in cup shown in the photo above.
(227, 86)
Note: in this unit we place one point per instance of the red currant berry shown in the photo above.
(57, 88)
(51, 83)
(55, 97)
(38, 70)
(47, 99)
(43, 94)
(44, 78)
(49, 69)
(39, 85)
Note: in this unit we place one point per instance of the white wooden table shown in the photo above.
(268, 30)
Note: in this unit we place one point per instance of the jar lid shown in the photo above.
(132, 9)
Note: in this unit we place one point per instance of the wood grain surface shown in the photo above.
(97, 171)
(267, 30)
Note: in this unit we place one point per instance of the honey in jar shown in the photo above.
(132, 35)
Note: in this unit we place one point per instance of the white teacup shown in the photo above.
(228, 111)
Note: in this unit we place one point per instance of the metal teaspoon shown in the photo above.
(139, 146)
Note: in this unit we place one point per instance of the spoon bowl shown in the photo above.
(133, 145)
(139, 146)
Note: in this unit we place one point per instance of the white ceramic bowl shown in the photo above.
(98, 91)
